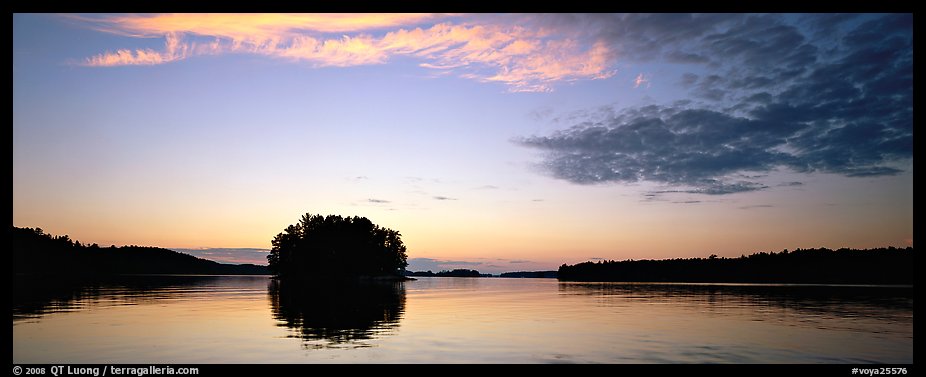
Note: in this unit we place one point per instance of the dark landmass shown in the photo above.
(809, 266)
(336, 248)
(458, 273)
(530, 274)
(40, 254)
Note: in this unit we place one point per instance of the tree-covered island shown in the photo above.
(326, 247)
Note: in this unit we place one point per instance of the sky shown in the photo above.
(493, 142)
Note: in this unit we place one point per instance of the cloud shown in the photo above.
(743, 42)
(519, 261)
(640, 80)
(757, 206)
(174, 50)
(847, 111)
(249, 26)
(229, 255)
(378, 201)
(460, 263)
(443, 198)
(525, 59)
(435, 265)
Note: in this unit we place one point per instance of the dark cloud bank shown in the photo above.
(830, 94)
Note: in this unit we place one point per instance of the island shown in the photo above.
(334, 247)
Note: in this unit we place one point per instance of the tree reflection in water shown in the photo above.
(336, 315)
(35, 297)
(811, 300)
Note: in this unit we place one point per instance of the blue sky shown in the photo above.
(494, 140)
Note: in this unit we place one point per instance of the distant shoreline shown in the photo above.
(881, 266)
(86, 277)
(36, 254)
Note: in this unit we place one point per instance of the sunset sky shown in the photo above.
(495, 142)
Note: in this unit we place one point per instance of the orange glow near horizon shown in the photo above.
(546, 233)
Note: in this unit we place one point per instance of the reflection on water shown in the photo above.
(146, 319)
(35, 297)
(843, 301)
(252, 319)
(880, 310)
(343, 314)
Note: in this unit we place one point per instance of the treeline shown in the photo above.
(818, 266)
(530, 274)
(38, 253)
(457, 273)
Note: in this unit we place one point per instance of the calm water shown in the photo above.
(197, 319)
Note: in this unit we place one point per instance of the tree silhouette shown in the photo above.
(335, 246)
(458, 273)
(842, 266)
(40, 254)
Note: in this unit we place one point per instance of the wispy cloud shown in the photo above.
(229, 255)
(524, 59)
(757, 206)
(244, 27)
(641, 80)
(438, 197)
(378, 201)
(174, 50)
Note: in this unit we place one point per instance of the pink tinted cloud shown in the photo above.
(523, 59)
(174, 49)
(640, 80)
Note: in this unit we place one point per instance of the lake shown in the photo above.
(252, 319)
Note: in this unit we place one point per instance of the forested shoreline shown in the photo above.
(41, 254)
(812, 266)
